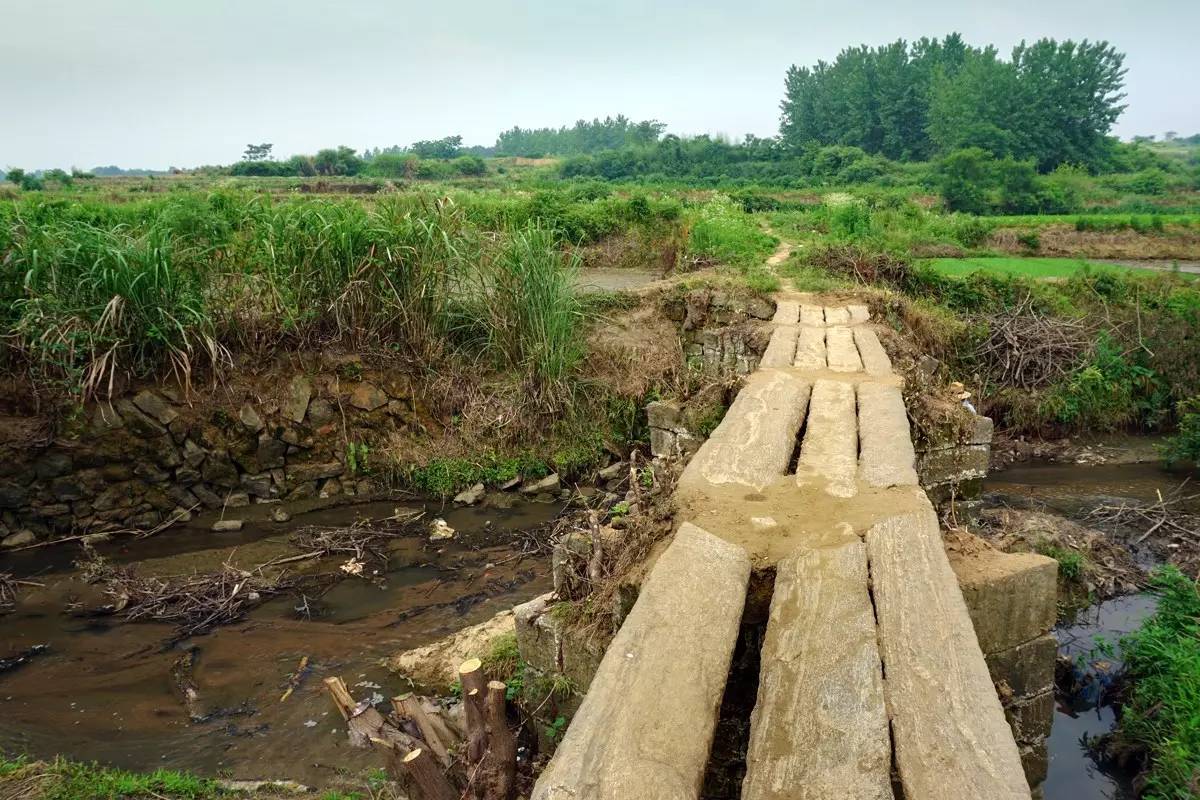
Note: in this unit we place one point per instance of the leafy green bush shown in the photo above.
(1185, 444)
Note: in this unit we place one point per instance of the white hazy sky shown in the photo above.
(154, 83)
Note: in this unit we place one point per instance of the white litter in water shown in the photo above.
(368, 685)
(312, 723)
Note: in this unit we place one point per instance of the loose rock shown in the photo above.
(469, 497)
(227, 525)
(550, 483)
(440, 531)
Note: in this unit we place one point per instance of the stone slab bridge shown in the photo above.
(872, 681)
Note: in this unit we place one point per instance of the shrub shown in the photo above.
(1185, 444)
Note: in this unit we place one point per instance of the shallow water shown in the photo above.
(1074, 773)
(614, 280)
(103, 690)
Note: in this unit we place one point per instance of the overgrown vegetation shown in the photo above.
(1162, 713)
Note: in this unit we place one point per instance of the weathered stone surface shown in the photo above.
(812, 315)
(12, 495)
(874, 360)
(321, 411)
(836, 315)
(435, 665)
(951, 739)
(138, 423)
(781, 350)
(271, 453)
(787, 312)
(52, 465)
(550, 483)
(259, 485)
(753, 444)
(1012, 597)
(471, 496)
(220, 470)
(819, 730)
(150, 403)
(829, 452)
(295, 404)
(954, 464)
(631, 738)
(840, 352)
(886, 456)
(810, 348)
(1032, 717)
(237, 500)
(19, 539)
(368, 397)
(250, 418)
(302, 473)
(858, 314)
(227, 525)
(1026, 669)
(662, 414)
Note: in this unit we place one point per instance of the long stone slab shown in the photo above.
(781, 350)
(858, 314)
(810, 348)
(836, 315)
(840, 351)
(875, 360)
(886, 456)
(829, 452)
(819, 730)
(754, 442)
(950, 736)
(787, 312)
(812, 315)
(645, 728)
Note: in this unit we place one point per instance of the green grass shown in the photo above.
(66, 780)
(1163, 713)
(1037, 268)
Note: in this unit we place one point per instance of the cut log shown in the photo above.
(433, 734)
(496, 778)
(427, 774)
(474, 690)
(341, 696)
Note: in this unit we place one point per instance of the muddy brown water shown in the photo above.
(103, 689)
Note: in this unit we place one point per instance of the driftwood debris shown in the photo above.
(1027, 349)
(426, 753)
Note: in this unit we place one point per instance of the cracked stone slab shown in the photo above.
(886, 456)
(810, 348)
(829, 452)
(837, 315)
(840, 351)
(951, 739)
(819, 730)
(875, 360)
(632, 737)
(754, 442)
(782, 347)
(787, 312)
(812, 315)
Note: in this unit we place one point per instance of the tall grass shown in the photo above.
(93, 296)
(528, 304)
(1163, 713)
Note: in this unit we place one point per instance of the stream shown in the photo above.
(1070, 490)
(103, 690)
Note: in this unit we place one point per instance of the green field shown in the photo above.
(1041, 268)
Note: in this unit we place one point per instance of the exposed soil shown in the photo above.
(1064, 241)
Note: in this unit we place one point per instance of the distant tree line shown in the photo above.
(610, 133)
(1052, 102)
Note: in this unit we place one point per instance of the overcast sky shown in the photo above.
(154, 83)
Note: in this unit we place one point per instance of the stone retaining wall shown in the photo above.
(1012, 600)
(153, 455)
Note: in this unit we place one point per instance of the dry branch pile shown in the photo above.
(192, 603)
(1167, 516)
(433, 753)
(1027, 349)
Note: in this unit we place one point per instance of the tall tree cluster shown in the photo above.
(610, 133)
(1052, 102)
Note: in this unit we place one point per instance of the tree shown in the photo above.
(258, 152)
(962, 176)
(446, 147)
(15, 175)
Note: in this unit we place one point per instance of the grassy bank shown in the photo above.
(1037, 268)
(1161, 716)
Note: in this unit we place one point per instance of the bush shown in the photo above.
(1185, 444)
